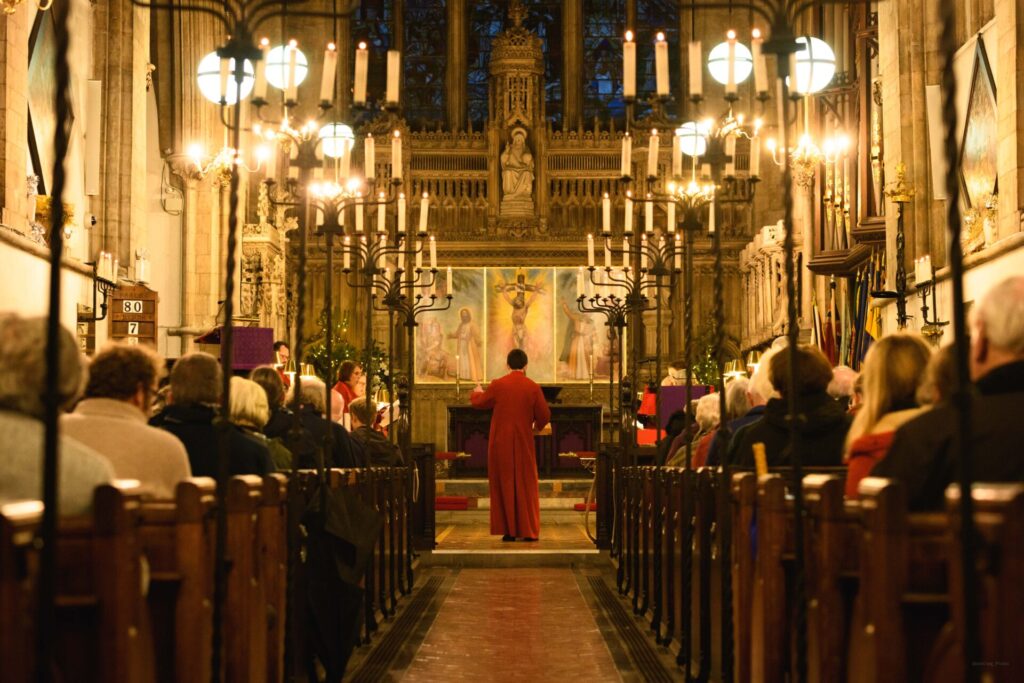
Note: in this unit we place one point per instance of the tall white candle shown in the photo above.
(670, 212)
(590, 251)
(629, 67)
(606, 214)
(696, 69)
(433, 253)
(448, 278)
(394, 64)
(652, 155)
(730, 80)
(330, 65)
(625, 253)
(359, 212)
(424, 212)
(926, 269)
(711, 217)
(755, 157)
(678, 253)
(643, 252)
(648, 214)
(627, 156)
(760, 65)
(291, 93)
(661, 64)
(362, 65)
(730, 151)
(381, 213)
(677, 156)
(628, 224)
(259, 91)
(369, 157)
(396, 155)
(401, 212)
(346, 256)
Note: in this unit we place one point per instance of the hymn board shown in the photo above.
(133, 314)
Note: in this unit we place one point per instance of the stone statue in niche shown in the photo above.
(517, 176)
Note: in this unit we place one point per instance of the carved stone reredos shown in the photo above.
(517, 74)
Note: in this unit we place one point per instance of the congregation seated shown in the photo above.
(708, 415)
(923, 455)
(22, 388)
(892, 372)
(823, 429)
(842, 386)
(191, 415)
(250, 411)
(345, 452)
(758, 390)
(112, 420)
(379, 451)
(677, 423)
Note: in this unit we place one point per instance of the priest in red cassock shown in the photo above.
(519, 411)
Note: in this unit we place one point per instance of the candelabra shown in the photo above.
(900, 193)
(932, 328)
(104, 282)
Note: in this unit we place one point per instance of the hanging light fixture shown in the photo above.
(692, 139)
(718, 61)
(815, 66)
(213, 76)
(337, 138)
(280, 65)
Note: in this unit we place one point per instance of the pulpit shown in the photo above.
(253, 346)
(574, 428)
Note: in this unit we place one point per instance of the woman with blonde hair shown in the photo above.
(893, 371)
(250, 411)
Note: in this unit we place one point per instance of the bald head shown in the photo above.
(998, 327)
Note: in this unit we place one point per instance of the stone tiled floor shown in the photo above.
(513, 625)
(559, 530)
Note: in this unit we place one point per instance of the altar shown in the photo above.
(574, 428)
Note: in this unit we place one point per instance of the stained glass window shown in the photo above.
(602, 59)
(485, 23)
(545, 19)
(653, 16)
(424, 62)
(372, 24)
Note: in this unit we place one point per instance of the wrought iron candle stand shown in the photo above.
(932, 328)
(901, 193)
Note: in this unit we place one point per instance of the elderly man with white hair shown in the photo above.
(22, 382)
(758, 391)
(345, 451)
(923, 454)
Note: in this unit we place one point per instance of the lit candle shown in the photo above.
(696, 70)
(677, 156)
(225, 71)
(606, 214)
(629, 213)
(381, 213)
(381, 246)
(711, 217)
(433, 253)
(730, 81)
(362, 65)
(627, 156)
(590, 251)
(678, 259)
(359, 212)
(661, 64)
(730, 152)
(394, 63)
(419, 255)
(401, 212)
(926, 269)
(648, 214)
(652, 155)
(369, 157)
(396, 155)
(755, 156)
(424, 212)
(449, 280)
(579, 283)
(625, 253)
(760, 66)
(401, 254)
(259, 91)
(629, 67)
(292, 86)
(670, 211)
(330, 65)
(347, 254)
(607, 252)
(643, 252)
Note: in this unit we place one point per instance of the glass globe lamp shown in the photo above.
(337, 139)
(692, 139)
(277, 66)
(208, 79)
(815, 66)
(718, 62)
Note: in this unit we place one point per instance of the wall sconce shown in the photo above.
(104, 282)
(925, 282)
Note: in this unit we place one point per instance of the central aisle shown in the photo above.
(514, 625)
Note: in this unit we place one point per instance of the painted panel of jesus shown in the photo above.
(452, 342)
(520, 312)
(582, 338)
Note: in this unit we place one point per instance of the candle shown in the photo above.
(607, 253)
(629, 67)
(449, 280)
(359, 212)
(347, 254)
(670, 211)
(330, 65)
(730, 81)
(755, 156)
(629, 213)
(419, 255)
(678, 258)
(362, 65)
(625, 253)
(116, 270)
(579, 283)
(401, 254)
(696, 70)
(760, 66)
(648, 214)
(652, 155)
(292, 86)
(394, 62)
(677, 156)
(369, 157)
(225, 70)
(661, 64)
(590, 251)
(643, 252)
(396, 155)
(381, 246)
(401, 212)
(923, 269)
(344, 161)
(259, 91)
(711, 217)
(730, 152)
(381, 213)
(606, 214)
(627, 156)
(433, 253)
(424, 212)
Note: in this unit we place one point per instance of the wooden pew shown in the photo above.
(100, 593)
(177, 538)
(999, 522)
(670, 509)
(744, 515)
(272, 525)
(245, 632)
(642, 597)
(19, 568)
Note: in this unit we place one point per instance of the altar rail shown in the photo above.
(708, 558)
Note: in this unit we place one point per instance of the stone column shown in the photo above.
(572, 65)
(456, 67)
(14, 29)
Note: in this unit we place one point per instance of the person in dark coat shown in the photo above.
(195, 391)
(345, 451)
(923, 455)
(823, 429)
(379, 451)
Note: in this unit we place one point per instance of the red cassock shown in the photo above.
(519, 409)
